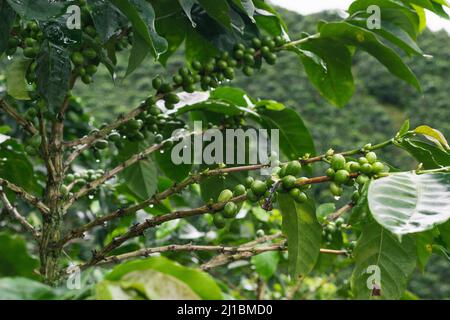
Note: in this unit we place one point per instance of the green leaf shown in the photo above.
(444, 230)
(378, 248)
(424, 241)
(218, 10)
(17, 168)
(268, 19)
(266, 264)
(232, 95)
(304, 235)
(213, 106)
(172, 29)
(53, 74)
(429, 155)
(106, 18)
(391, 13)
(333, 75)
(433, 135)
(156, 285)
(197, 47)
(408, 203)
(142, 17)
(25, 289)
(187, 8)
(38, 9)
(16, 261)
(176, 172)
(16, 79)
(247, 6)
(141, 177)
(367, 41)
(403, 130)
(7, 17)
(138, 53)
(201, 283)
(295, 139)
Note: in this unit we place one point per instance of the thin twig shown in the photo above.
(24, 195)
(340, 212)
(27, 125)
(16, 215)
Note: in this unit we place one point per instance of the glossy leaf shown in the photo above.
(367, 41)
(25, 289)
(106, 18)
(433, 135)
(38, 9)
(424, 241)
(266, 264)
(16, 79)
(429, 155)
(187, 8)
(408, 203)
(304, 235)
(141, 177)
(201, 283)
(333, 75)
(218, 10)
(16, 260)
(142, 16)
(7, 16)
(379, 250)
(53, 74)
(295, 139)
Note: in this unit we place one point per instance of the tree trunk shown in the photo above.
(49, 251)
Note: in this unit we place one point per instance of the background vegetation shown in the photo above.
(379, 107)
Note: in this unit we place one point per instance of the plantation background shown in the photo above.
(375, 113)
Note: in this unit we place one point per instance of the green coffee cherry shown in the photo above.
(230, 210)
(293, 168)
(377, 167)
(258, 187)
(219, 221)
(114, 137)
(336, 190)
(225, 195)
(77, 58)
(288, 182)
(239, 190)
(363, 160)
(64, 190)
(251, 196)
(90, 53)
(249, 181)
(354, 166)
(30, 52)
(341, 176)
(366, 168)
(101, 144)
(70, 178)
(338, 162)
(371, 157)
(330, 173)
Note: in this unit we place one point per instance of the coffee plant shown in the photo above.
(104, 206)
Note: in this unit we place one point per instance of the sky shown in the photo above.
(311, 6)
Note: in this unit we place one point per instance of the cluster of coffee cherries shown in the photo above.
(290, 182)
(73, 182)
(86, 59)
(343, 172)
(332, 231)
(231, 209)
(150, 123)
(29, 37)
(211, 73)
